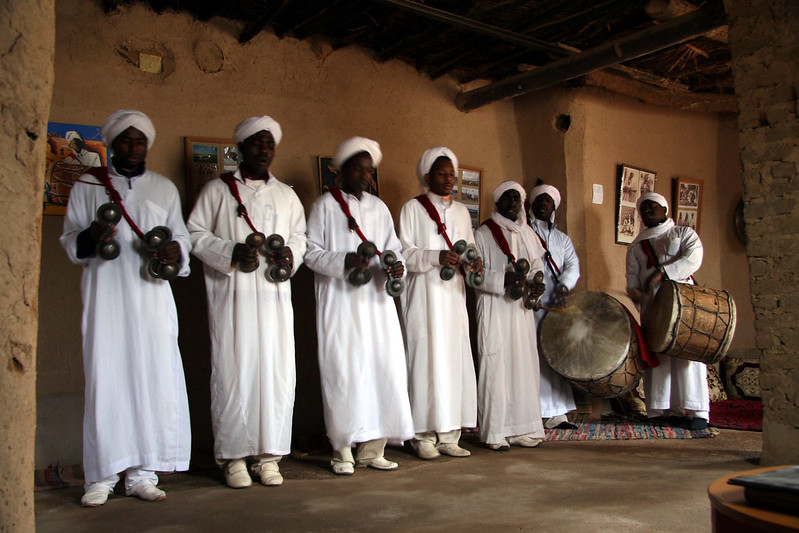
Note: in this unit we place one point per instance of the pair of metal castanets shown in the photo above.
(367, 250)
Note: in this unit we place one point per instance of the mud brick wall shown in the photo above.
(765, 64)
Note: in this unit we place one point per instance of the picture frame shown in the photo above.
(207, 158)
(632, 183)
(687, 202)
(329, 176)
(468, 190)
(72, 149)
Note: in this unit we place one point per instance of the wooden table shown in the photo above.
(730, 513)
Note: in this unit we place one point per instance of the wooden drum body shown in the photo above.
(690, 322)
(592, 344)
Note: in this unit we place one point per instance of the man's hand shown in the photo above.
(476, 265)
(537, 289)
(169, 253)
(514, 278)
(448, 258)
(635, 295)
(283, 257)
(353, 260)
(397, 270)
(102, 231)
(244, 255)
(653, 282)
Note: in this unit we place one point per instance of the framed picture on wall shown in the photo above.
(467, 190)
(329, 176)
(207, 158)
(72, 149)
(687, 202)
(633, 182)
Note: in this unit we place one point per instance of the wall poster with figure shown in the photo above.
(467, 191)
(633, 182)
(687, 202)
(72, 149)
(206, 159)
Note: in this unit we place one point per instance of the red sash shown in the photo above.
(548, 256)
(101, 173)
(649, 358)
(500, 239)
(353, 224)
(431, 210)
(230, 180)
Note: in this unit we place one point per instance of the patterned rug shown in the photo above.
(623, 428)
(58, 477)
(746, 415)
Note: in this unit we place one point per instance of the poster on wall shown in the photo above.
(467, 191)
(207, 158)
(633, 182)
(687, 202)
(72, 149)
(329, 176)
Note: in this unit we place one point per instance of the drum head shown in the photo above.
(591, 341)
(659, 319)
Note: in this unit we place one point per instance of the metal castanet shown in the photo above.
(109, 213)
(394, 286)
(517, 290)
(358, 277)
(468, 254)
(278, 270)
(534, 302)
(153, 241)
(156, 238)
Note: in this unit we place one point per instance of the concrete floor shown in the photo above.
(643, 485)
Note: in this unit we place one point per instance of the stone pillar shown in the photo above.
(765, 54)
(27, 40)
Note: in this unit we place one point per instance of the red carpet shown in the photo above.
(746, 415)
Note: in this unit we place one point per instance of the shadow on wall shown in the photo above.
(308, 433)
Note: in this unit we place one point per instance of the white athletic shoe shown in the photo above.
(95, 496)
(379, 463)
(453, 450)
(525, 441)
(236, 474)
(269, 473)
(147, 491)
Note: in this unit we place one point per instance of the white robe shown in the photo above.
(136, 411)
(557, 397)
(361, 353)
(441, 378)
(251, 319)
(676, 384)
(508, 382)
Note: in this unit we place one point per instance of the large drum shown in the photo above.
(690, 322)
(593, 344)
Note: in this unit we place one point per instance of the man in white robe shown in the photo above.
(676, 388)
(561, 272)
(442, 383)
(361, 351)
(509, 411)
(136, 413)
(251, 318)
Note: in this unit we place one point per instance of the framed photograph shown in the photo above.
(633, 182)
(467, 190)
(72, 149)
(207, 158)
(329, 176)
(687, 202)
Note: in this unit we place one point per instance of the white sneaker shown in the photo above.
(269, 473)
(147, 491)
(500, 446)
(343, 469)
(379, 463)
(236, 474)
(95, 496)
(426, 450)
(453, 450)
(525, 441)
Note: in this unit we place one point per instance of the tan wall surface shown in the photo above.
(320, 98)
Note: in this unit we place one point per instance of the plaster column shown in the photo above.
(27, 39)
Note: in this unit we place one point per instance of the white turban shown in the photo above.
(537, 191)
(122, 119)
(356, 145)
(507, 186)
(250, 126)
(72, 135)
(655, 197)
(429, 157)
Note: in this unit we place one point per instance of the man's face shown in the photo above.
(130, 148)
(543, 207)
(441, 177)
(257, 152)
(356, 175)
(509, 204)
(652, 213)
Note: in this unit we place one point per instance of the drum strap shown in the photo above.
(101, 173)
(548, 257)
(229, 179)
(353, 224)
(431, 210)
(500, 239)
(649, 358)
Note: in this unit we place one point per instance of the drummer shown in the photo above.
(561, 272)
(676, 388)
(508, 406)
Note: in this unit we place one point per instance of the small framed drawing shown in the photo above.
(467, 190)
(687, 202)
(207, 158)
(329, 176)
(72, 149)
(633, 182)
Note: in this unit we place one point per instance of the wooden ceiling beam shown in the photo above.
(257, 27)
(612, 53)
